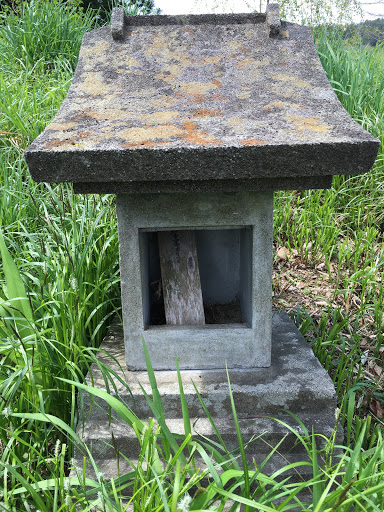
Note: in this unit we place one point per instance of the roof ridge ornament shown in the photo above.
(273, 21)
(118, 23)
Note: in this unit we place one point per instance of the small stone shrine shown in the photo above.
(193, 122)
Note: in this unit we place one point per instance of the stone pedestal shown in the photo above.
(294, 382)
(234, 244)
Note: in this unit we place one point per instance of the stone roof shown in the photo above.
(182, 102)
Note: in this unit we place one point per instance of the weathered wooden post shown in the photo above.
(193, 122)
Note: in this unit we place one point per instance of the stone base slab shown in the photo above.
(295, 382)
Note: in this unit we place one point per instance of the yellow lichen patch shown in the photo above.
(264, 62)
(140, 135)
(159, 117)
(174, 72)
(199, 88)
(159, 44)
(161, 47)
(101, 48)
(234, 46)
(129, 61)
(243, 95)
(252, 142)
(252, 62)
(292, 80)
(62, 126)
(313, 124)
(274, 104)
(235, 121)
(206, 112)
(94, 84)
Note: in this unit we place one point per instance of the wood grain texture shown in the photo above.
(183, 300)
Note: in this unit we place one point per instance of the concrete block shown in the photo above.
(239, 345)
(295, 381)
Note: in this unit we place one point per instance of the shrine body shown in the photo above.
(193, 122)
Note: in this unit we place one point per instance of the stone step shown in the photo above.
(264, 432)
(109, 467)
(259, 399)
(295, 381)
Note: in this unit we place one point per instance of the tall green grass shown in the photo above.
(176, 473)
(59, 289)
(61, 248)
(43, 35)
(342, 228)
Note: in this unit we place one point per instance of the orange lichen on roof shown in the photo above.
(55, 143)
(206, 112)
(245, 63)
(196, 136)
(252, 142)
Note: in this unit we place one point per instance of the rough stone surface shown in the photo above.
(240, 345)
(154, 187)
(295, 381)
(118, 23)
(273, 20)
(206, 97)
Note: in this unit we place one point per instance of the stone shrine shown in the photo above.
(193, 122)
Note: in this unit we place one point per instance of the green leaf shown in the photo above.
(183, 400)
(241, 444)
(15, 286)
(152, 380)
(128, 416)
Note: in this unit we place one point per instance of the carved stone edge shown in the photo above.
(273, 20)
(118, 23)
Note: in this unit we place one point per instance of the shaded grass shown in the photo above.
(65, 246)
(340, 230)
